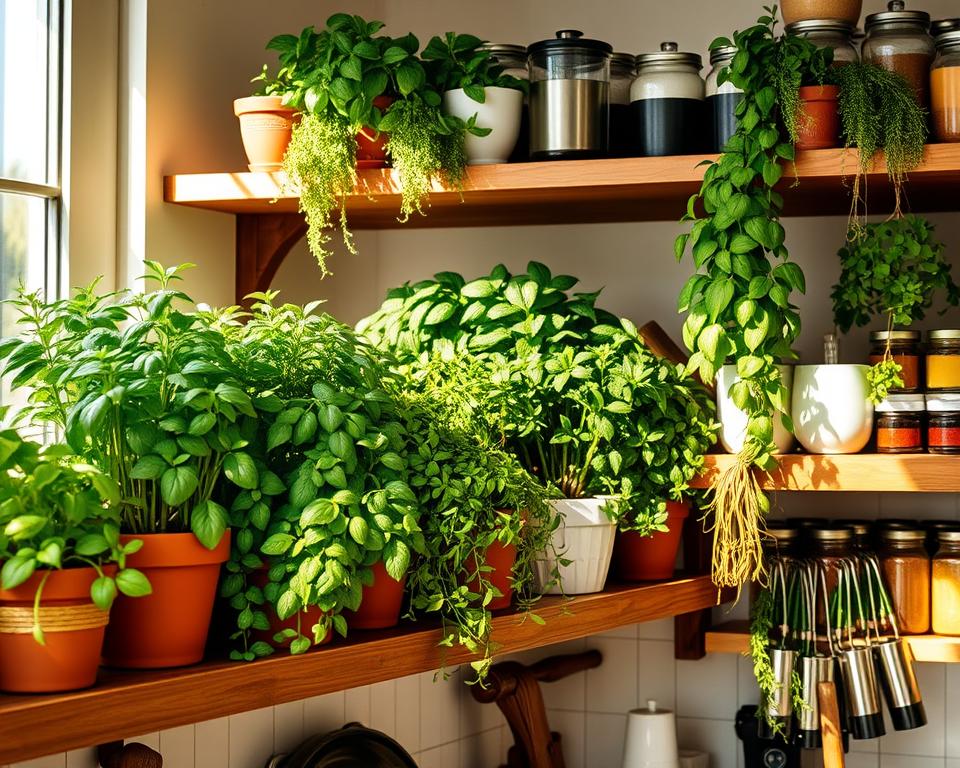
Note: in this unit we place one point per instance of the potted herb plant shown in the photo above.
(62, 566)
(145, 391)
(475, 89)
(266, 125)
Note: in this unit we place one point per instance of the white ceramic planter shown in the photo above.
(584, 537)
(500, 111)
(733, 421)
(831, 412)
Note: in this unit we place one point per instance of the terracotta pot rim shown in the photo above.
(678, 510)
(248, 104)
(819, 92)
(63, 584)
(175, 550)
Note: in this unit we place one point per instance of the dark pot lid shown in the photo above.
(896, 13)
(669, 53)
(353, 746)
(569, 40)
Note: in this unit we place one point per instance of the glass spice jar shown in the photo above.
(722, 99)
(945, 87)
(831, 546)
(906, 570)
(933, 528)
(904, 349)
(943, 361)
(943, 423)
(945, 608)
(899, 41)
(828, 33)
(899, 424)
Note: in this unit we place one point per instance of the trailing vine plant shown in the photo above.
(738, 302)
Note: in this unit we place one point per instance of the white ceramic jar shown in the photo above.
(831, 410)
(500, 111)
(733, 421)
(585, 538)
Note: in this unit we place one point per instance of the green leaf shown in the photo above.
(742, 243)
(133, 583)
(277, 544)
(208, 521)
(240, 470)
(359, 530)
(396, 558)
(718, 296)
(149, 467)
(409, 77)
(394, 54)
(91, 544)
(278, 434)
(318, 512)
(103, 591)
(177, 485)
(17, 570)
(439, 313)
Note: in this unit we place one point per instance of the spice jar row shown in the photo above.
(918, 423)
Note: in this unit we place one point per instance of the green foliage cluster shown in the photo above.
(144, 391)
(795, 63)
(460, 61)
(58, 512)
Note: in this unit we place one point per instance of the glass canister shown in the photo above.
(943, 361)
(623, 68)
(667, 101)
(945, 608)
(828, 33)
(933, 528)
(943, 423)
(942, 26)
(722, 100)
(905, 350)
(569, 97)
(899, 40)
(831, 546)
(899, 424)
(906, 570)
(513, 59)
(945, 88)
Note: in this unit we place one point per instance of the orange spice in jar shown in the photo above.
(945, 87)
(945, 608)
(943, 361)
(904, 349)
(899, 424)
(906, 570)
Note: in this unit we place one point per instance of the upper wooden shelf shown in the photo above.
(125, 704)
(578, 191)
(854, 472)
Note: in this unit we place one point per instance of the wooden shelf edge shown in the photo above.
(918, 472)
(126, 704)
(733, 637)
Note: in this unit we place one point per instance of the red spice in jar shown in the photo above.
(943, 439)
(943, 426)
(899, 433)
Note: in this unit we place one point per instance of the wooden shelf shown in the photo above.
(126, 704)
(854, 472)
(575, 191)
(733, 637)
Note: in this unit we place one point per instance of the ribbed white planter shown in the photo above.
(584, 537)
(500, 111)
(831, 412)
(733, 421)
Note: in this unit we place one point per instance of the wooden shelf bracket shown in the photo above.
(263, 242)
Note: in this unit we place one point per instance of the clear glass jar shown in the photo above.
(945, 88)
(899, 424)
(831, 547)
(942, 26)
(943, 423)
(623, 67)
(828, 33)
(667, 102)
(905, 350)
(906, 569)
(513, 59)
(722, 100)
(945, 608)
(899, 40)
(943, 361)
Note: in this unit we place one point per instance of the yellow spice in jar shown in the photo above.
(943, 371)
(946, 596)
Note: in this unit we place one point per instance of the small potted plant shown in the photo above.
(62, 566)
(475, 90)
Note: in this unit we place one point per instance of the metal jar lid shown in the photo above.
(949, 334)
(895, 335)
(722, 54)
(505, 49)
(832, 534)
(948, 535)
(896, 13)
(782, 532)
(669, 53)
(859, 527)
(571, 40)
(807, 26)
(942, 26)
(626, 62)
(943, 403)
(902, 534)
(946, 40)
(902, 404)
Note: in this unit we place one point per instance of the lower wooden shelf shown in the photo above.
(910, 472)
(733, 637)
(125, 704)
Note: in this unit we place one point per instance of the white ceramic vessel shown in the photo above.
(584, 537)
(651, 738)
(733, 421)
(500, 111)
(831, 411)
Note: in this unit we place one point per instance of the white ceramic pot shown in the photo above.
(651, 740)
(500, 111)
(584, 537)
(733, 421)
(831, 412)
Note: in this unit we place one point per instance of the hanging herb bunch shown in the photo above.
(738, 302)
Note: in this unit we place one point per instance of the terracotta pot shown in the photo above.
(70, 658)
(265, 127)
(381, 602)
(818, 121)
(372, 153)
(167, 628)
(649, 558)
(501, 558)
(801, 10)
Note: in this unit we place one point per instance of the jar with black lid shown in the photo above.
(828, 33)
(623, 68)
(899, 40)
(898, 427)
(722, 100)
(906, 569)
(569, 97)
(513, 59)
(667, 102)
(943, 423)
(904, 349)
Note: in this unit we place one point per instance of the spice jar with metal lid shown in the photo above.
(943, 423)
(943, 361)
(667, 102)
(722, 99)
(945, 591)
(862, 534)
(828, 33)
(899, 40)
(830, 547)
(933, 528)
(906, 569)
(945, 87)
(569, 97)
(513, 59)
(942, 26)
(899, 424)
(623, 68)
(905, 350)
